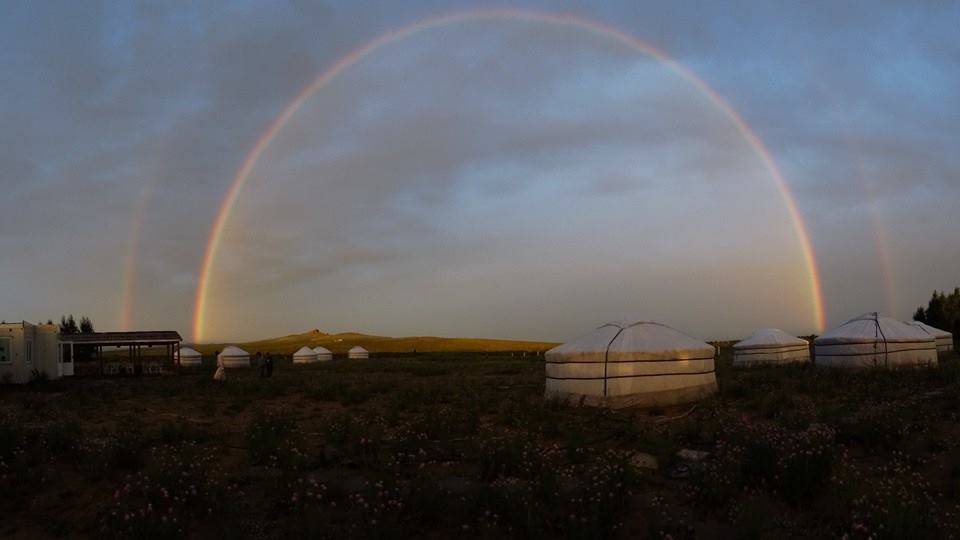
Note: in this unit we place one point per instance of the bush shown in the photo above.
(794, 465)
(39, 376)
(266, 436)
(62, 437)
(163, 502)
(360, 439)
(873, 426)
(128, 451)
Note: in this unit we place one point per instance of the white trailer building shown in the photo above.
(29, 350)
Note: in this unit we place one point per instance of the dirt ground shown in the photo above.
(465, 444)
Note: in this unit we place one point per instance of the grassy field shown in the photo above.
(341, 343)
(467, 446)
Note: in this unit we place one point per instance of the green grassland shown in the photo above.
(466, 445)
(341, 343)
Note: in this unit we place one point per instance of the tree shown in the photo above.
(943, 311)
(68, 325)
(86, 327)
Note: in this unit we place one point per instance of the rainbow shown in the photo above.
(558, 19)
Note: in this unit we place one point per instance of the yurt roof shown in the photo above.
(358, 349)
(233, 351)
(634, 336)
(188, 352)
(769, 337)
(871, 327)
(321, 350)
(305, 351)
(935, 332)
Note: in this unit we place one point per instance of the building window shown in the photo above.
(28, 352)
(6, 350)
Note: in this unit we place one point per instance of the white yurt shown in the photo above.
(874, 341)
(304, 356)
(944, 338)
(624, 364)
(358, 352)
(234, 357)
(770, 346)
(187, 357)
(323, 354)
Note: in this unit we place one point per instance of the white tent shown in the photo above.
(358, 352)
(627, 364)
(770, 346)
(944, 338)
(234, 357)
(323, 354)
(874, 341)
(188, 357)
(304, 356)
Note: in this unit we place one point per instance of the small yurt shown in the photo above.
(358, 352)
(234, 357)
(188, 357)
(636, 363)
(944, 338)
(874, 341)
(770, 347)
(304, 356)
(323, 354)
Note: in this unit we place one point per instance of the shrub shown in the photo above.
(38, 376)
(62, 437)
(794, 465)
(11, 437)
(176, 490)
(511, 458)
(266, 436)
(127, 445)
(874, 426)
(359, 438)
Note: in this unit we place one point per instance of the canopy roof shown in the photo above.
(871, 327)
(935, 332)
(187, 352)
(639, 338)
(322, 351)
(123, 338)
(767, 338)
(305, 351)
(358, 349)
(234, 351)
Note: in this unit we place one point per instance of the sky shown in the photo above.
(501, 176)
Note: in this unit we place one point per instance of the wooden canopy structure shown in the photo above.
(115, 362)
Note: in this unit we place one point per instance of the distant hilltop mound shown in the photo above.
(344, 341)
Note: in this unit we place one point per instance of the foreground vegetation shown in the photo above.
(466, 445)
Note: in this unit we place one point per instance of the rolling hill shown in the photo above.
(341, 343)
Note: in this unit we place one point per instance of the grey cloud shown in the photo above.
(105, 103)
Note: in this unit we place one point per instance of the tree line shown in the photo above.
(943, 312)
(68, 325)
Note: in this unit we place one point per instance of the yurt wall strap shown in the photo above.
(606, 359)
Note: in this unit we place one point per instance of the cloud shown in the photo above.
(461, 146)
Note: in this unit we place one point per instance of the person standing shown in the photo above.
(261, 365)
(220, 374)
(269, 362)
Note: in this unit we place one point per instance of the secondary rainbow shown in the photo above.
(558, 19)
